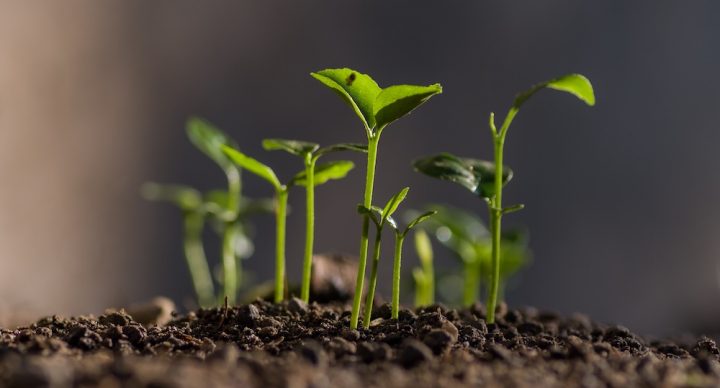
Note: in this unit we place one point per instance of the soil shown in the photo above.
(298, 345)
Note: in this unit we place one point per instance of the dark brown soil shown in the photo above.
(296, 345)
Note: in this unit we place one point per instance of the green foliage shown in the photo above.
(475, 175)
(324, 172)
(209, 140)
(341, 147)
(396, 101)
(253, 166)
(575, 84)
(424, 275)
(295, 147)
(184, 197)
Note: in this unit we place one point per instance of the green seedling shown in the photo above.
(424, 275)
(310, 153)
(210, 140)
(465, 234)
(400, 235)
(322, 173)
(379, 217)
(377, 108)
(190, 203)
(487, 179)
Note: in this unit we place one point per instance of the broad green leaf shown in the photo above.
(448, 167)
(396, 101)
(253, 166)
(337, 169)
(209, 140)
(374, 214)
(419, 219)
(295, 147)
(357, 89)
(341, 147)
(393, 203)
(484, 171)
(184, 197)
(575, 84)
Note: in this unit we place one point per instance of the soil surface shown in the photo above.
(298, 345)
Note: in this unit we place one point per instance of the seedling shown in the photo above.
(400, 235)
(424, 275)
(465, 235)
(377, 108)
(310, 153)
(323, 173)
(379, 217)
(487, 179)
(190, 203)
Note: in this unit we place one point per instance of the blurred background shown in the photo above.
(621, 198)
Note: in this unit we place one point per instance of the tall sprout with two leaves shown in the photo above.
(310, 153)
(334, 170)
(486, 179)
(377, 108)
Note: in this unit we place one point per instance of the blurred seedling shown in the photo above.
(424, 275)
(486, 179)
(312, 176)
(377, 108)
(333, 170)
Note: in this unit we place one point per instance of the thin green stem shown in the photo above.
(280, 215)
(471, 284)
(309, 226)
(229, 264)
(373, 280)
(429, 271)
(396, 276)
(234, 193)
(367, 202)
(196, 259)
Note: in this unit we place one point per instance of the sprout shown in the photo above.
(334, 170)
(311, 177)
(400, 235)
(486, 179)
(425, 274)
(379, 217)
(377, 108)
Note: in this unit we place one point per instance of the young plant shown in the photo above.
(322, 174)
(190, 203)
(424, 275)
(487, 179)
(400, 235)
(377, 108)
(379, 217)
(310, 153)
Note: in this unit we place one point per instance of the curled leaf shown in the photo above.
(295, 147)
(397, 101)
(393, 203)
(448, 167)
(575, 84)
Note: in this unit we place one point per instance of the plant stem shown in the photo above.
(396, 276)
(196, 260)
(234, 194)
(280, 213)
(367, 202)
(229, 263)
(429, 271)
(373, 280)
(472, 279)
(309, 226)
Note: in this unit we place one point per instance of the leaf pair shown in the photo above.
(383, 216)
(375, 106)
(475, 175)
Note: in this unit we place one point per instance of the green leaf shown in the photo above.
(448, 167)
(209, 140)
(295, 147)
(357, 89)
(337, 169)
(373, 213)
(484, 171)
(393, 203)
(575, 84)
(341, 147)
(253, 166)
(460, 224)
(419, 219)
(397, 101)
(184, 197)
(423, 247)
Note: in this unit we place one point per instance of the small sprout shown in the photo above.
(379, 217)
(487, 179)
(310, 177)
(190, 202)
(400, 235)
(377, 108)
(334, 170)
(425, 274)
